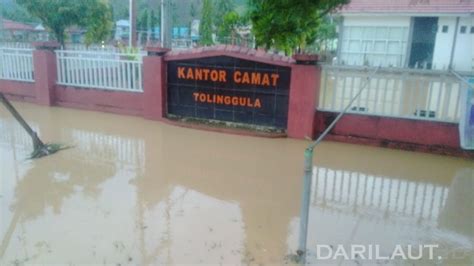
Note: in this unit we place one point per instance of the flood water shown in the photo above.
(138, 192)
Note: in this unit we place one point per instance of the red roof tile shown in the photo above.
(13, 25)
(409, 6)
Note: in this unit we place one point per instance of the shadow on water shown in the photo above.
(139, 192)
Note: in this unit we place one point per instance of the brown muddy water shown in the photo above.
(137, 192)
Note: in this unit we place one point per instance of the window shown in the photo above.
(472, 30)
(374, 45)
(463, 29)
(445, 29)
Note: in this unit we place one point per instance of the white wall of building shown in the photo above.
(377, 20)
(374, 40)
(463, 52)
(383, 40)
(444, 43)
(122, 29)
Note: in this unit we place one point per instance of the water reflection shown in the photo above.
(460, 204)
(138, 192)
(378, 197)
(356, 208)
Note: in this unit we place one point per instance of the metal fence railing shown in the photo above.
(101, 70)
(16, 64)
(22, 45)
(392, 92)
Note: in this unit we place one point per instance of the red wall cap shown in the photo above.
(233, 51)
(51, 45)
(306, 59)
(152, 50)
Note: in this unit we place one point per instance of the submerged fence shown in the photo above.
(101, 70)
(16, 64)
(403, 93)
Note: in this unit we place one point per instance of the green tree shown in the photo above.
(15, 12)
(227, 29)
(98, 23)
(326, 31)
(205, 28)
(289, 25)
(175, 19)
(147, 20)
(193, 11)
(223, 7)
(58, 15)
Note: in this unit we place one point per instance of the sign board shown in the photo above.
(229, 89)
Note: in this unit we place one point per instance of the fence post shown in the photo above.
(154, 83)
(304, 94)
(44, 61)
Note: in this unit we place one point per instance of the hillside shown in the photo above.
(180, 10)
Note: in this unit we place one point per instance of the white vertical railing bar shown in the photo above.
(401, 93)
(341, 105)
(377, 94)
(438, 102)
(107, 70)
(430, 97)
(16, 64)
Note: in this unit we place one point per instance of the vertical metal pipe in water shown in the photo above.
(305, 202)
(308, 174)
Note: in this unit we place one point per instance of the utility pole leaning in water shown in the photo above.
(40, 149)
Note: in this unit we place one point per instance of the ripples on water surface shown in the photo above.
(133, 191)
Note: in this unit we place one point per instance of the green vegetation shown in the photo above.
(58, 15)
(12, 11)
(289, 25)
(147, 20)
(222, 8)
(193, 11)
(325, 32)
(227, 28)
(206, 27)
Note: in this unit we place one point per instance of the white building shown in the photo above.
(122, 29)
(431, 34)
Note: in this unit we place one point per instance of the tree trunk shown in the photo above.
(37, 143)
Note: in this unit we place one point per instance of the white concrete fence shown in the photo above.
(22, 45)
(100, 70)
(401, 93)
(16, 64)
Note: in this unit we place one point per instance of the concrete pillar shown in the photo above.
(44, 61)
(304, 95)
(154, 83)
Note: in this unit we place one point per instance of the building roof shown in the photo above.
(123, 23)
(409, 6)
(13, 25)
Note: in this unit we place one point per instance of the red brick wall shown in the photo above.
(129, 103)
(18, 90)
